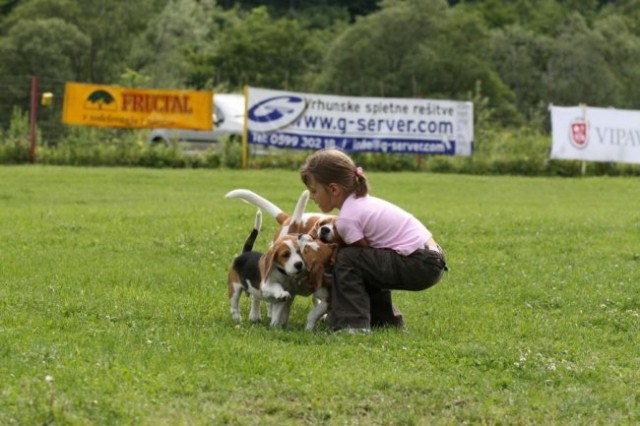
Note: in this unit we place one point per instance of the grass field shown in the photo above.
(114, 310)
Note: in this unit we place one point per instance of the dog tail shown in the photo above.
(301, 206)
(248, 244)
(260, 202)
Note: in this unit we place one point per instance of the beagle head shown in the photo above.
(304, 224)
(283, 257)
(325, 230)
(318, 256)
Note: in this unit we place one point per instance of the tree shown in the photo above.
(172, 37)
(369, 57)
(578, 71)
(520, 57)
(44, 47)
(7, 5)
(110, 26)
(620, 49)
(416, 49)
(66, 10)
(260, 51)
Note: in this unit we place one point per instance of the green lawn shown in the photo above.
(114, 308)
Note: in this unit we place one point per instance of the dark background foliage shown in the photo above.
(512, 58)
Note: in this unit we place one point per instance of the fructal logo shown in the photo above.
(101, 100)
(276, 113)
(579, 133)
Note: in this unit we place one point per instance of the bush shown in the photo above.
(15, 144)
(497, 151)
(85, 146)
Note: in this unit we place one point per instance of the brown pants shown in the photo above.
(363, 278)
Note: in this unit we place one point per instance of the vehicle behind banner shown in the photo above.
(359, 124)
(228, 121)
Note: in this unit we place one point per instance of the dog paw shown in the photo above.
(277, 295)
(284, 295)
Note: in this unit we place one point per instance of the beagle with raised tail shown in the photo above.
(244, 273)
(266, 276)
(317, 224)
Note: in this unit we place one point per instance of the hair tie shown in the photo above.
(359, 172)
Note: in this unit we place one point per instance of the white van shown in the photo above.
(228, 120)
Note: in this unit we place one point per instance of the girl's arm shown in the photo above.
(360, 243)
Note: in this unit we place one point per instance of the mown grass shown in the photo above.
(114, 309)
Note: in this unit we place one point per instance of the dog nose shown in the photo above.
(324, 230)
(298, 266)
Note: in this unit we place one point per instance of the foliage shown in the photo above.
(115, 308)
(120, 148)
(367, 58)
(15, 143)
(52, 41)
(259, 51)
(519, 151)
(524, 55)
(163, 51)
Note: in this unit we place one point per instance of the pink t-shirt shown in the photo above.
(383, 224)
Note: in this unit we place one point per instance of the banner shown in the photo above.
(111, 106)
(358, 124)
(595, 134)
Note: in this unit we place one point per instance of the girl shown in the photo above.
(386, 249)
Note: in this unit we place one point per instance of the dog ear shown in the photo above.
(266, 262)
(334, 252)
(316, 276)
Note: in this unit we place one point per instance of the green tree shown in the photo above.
(416, 48)
(66, 10)
(628, 10)
(45, 47)
(49, 48)
(7, 5)
(370, 57)
(520, 57)
(620, 49)
(172, 37)
(537, 14)
(578, 71)
(109, 25)
(260, 51)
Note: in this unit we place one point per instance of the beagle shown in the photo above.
(325, 231)
(316, 224)
(244, 273)
(269, 276)
(319, 257)
(314, 231)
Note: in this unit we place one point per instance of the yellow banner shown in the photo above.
(111, 106)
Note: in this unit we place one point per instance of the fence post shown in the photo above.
(34, 117)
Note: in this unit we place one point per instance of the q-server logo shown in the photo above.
(276, 113)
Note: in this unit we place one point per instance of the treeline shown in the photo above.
(520, 55)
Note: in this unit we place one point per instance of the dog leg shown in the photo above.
(274, 292)
(235, 302)
(280, 313)
(319, 309)
(254, 315)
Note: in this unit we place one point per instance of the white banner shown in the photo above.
(595, 134)
(357, 124)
